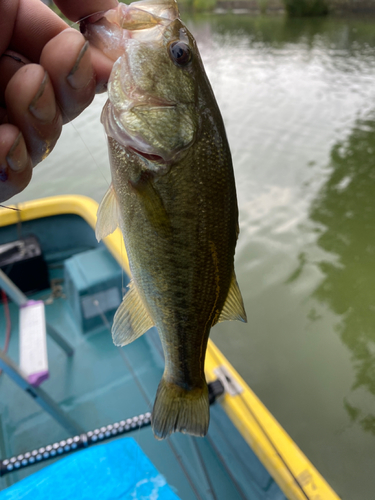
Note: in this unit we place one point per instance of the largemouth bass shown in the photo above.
(173, 196)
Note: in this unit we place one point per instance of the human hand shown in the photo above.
(48, 76)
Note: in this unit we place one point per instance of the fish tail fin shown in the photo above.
(180, 410)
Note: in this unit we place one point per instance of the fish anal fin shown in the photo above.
(108, 215)
(131, 319)
(233, 307)
(180, 410)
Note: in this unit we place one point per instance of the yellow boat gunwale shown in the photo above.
(287, 464)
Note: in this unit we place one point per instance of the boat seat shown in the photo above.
(94, 286)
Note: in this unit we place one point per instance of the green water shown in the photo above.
(298, 100)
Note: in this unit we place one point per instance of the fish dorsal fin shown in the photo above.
(131, 319)
(108, 215)
(233, 307)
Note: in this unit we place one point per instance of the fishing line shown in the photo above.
(95, 16)
(144, 394)
(124, 356)
(274, 447)
(122, 353)
(7, 322)
(148, 402)
(130, 368)
(224, 462)
(123, 270)
(180, 461)
(10, 208)
(203, 467)
(171, 445)
(133, 373)
(106, 324)
(70, 122)
(136, 379)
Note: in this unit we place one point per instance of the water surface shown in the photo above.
(298, 101)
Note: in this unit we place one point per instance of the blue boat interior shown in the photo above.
(101, 383)
(117, 469)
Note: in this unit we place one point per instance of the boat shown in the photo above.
(86, 406)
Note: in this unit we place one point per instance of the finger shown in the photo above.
(71, 72)
(15, 163)
(8, 14)
(34, 26)
(102, 67)
(78, 10)
(31, 106)
(10, 63)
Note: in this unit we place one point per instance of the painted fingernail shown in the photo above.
(43, 106)
(17, 155)
(82, 72)
(3, 173)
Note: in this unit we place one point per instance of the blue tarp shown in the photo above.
(111, 471)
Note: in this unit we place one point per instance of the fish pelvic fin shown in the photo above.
(131, 319)
(108, 215)
(180, 410)
(233, 307)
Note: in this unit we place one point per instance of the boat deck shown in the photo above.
(101, 384)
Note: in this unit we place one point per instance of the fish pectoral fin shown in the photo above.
(233, 307)
(152, 203)
(108, 215)
(131, 319)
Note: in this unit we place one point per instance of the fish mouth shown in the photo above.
(147, 156)
(151, 102)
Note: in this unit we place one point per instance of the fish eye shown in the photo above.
(180, 53)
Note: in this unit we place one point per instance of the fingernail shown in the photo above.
(14, 57)
(3, 173)
(81, 73)
(43, 105)
(17, 155)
